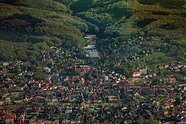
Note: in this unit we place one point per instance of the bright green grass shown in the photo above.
(155, 55)
(157, 58)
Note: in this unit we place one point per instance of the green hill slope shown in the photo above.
(130, 30)
(34, 22)
(132, 34)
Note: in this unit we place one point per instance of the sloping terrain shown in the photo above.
(128, 31)
(131, 30)
(47, 22)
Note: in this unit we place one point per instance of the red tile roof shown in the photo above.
(2, 111)
(136, 72)
(11, 116)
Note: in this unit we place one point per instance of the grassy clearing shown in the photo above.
(155, 55)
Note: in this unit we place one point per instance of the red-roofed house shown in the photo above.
(136, 74)
(9, 119)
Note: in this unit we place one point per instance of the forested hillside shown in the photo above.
(131, 32)
(35, 26)
(136, 33)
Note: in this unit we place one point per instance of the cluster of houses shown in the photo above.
(9, 118)
(97, 95)
(141, 72)
(173, 66)
(106, 97)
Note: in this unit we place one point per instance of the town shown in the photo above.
(89, 93)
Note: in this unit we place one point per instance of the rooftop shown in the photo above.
(89, 36)
(90, 47)
(92, 54)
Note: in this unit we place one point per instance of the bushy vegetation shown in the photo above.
(164, 3)
(27, 23)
